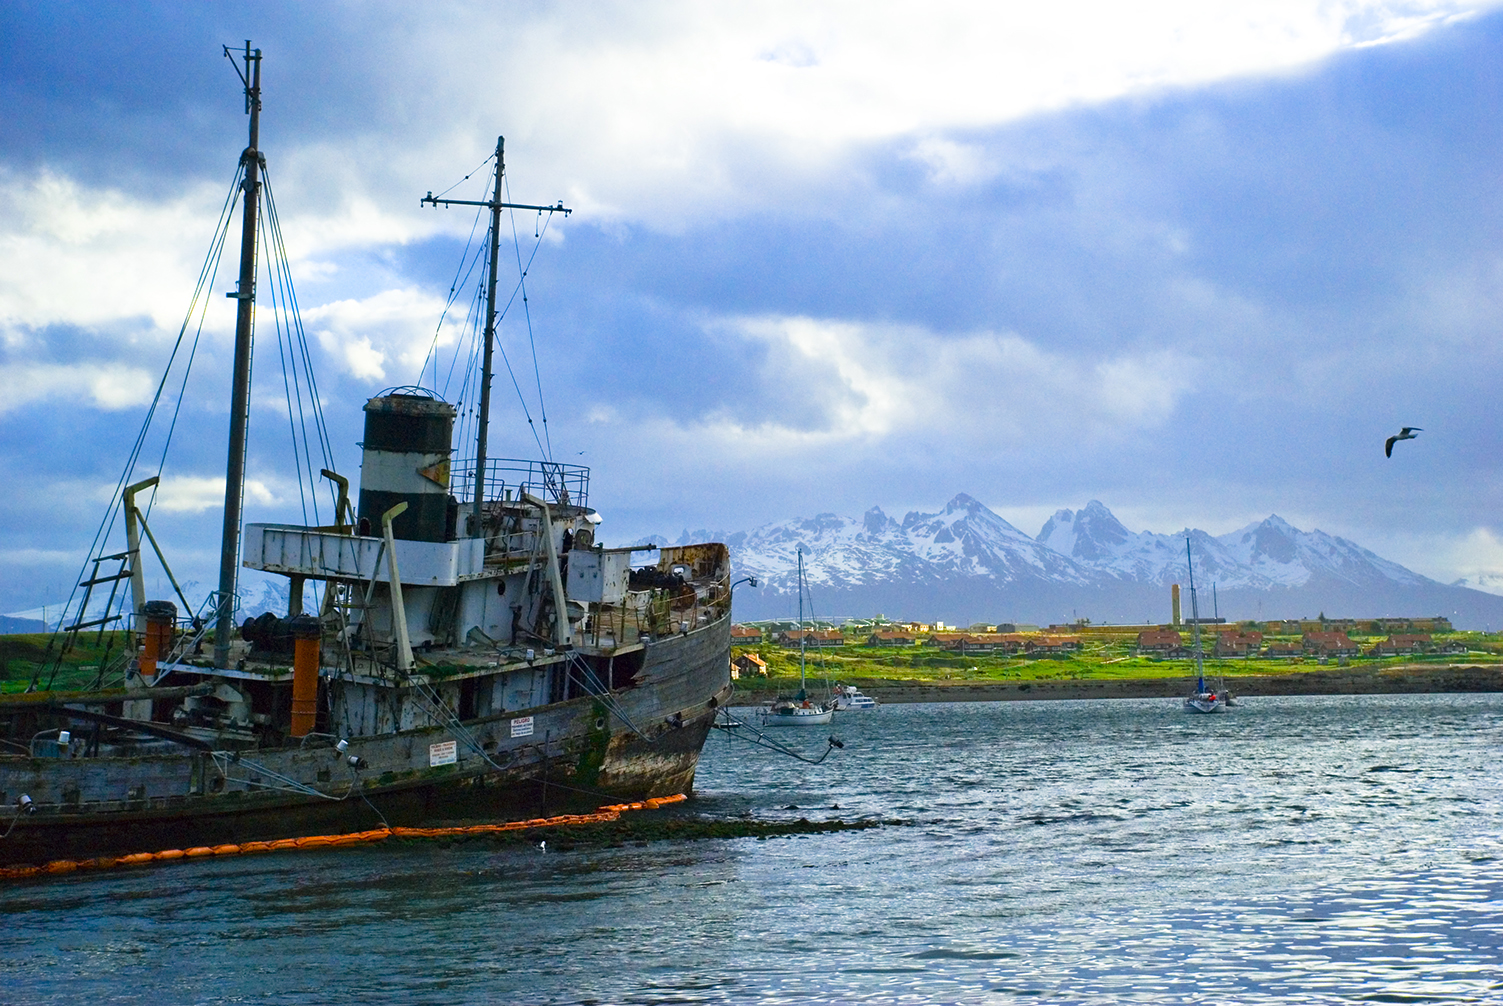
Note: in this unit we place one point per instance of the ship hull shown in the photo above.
(627, 744)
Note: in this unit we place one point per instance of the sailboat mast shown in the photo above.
(1194, 612)
(803, 638)
(245, 294)
(488, 354)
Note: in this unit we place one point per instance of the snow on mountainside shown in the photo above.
(964, 540)
(1261, 556)
(967, 563)
(1490, 583)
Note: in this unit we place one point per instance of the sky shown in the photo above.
(1196, 260)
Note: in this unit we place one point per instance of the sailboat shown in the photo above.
(1203, 699)
(798, 710)
(474, 652)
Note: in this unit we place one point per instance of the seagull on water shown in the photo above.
(1407, 433)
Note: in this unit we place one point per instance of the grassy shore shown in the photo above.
(1105, 667)
(26, 657)
(1108, 668)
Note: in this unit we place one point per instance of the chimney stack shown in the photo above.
(1174, 602)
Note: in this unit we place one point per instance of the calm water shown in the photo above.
(1295, 850)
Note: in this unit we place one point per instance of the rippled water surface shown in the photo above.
(1295, 850)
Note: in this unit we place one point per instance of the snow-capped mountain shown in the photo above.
(965, 563)
(1261, 556)
(963, 540)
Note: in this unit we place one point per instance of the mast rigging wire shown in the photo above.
(198, 304)
(295, 357)
(527, 313)
(461, 270)
(471, 347)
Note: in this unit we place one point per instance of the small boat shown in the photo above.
(849, 697)
(798, 710)
(1203, 699)
(795, 712)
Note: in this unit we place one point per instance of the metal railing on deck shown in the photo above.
(705, 597)
(508, 478)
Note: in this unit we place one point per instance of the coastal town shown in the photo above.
(1319, 640)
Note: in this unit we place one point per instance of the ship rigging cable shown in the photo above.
(761, 740)
(298, 360)
(198, 305)
(527, 313)
(298, 377)
(470, 346)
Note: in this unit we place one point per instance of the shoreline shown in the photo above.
(1402, 680)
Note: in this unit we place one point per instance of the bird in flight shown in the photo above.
(1407, 433)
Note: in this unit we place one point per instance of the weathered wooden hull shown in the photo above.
(629, 744)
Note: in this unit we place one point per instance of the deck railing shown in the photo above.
(508, 478)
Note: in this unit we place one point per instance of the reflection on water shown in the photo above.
(1296, 850)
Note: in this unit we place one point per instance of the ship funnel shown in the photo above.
(406, 460)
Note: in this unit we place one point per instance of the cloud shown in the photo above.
(826, 382)
(393, 327)
(1473, 557)
(712, 104)
(108, 386)
(74, 255)
(196, 493)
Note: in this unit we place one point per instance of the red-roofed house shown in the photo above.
(1331, 644)
(1238, 644)
(1161, 641)
(811, 637)
(1048, 645)
(1403, 644)
(745, 635)
(750, 664)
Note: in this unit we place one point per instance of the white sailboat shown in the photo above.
(1203, 699)
(798, 710)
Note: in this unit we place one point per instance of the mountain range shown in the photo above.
(966, 564)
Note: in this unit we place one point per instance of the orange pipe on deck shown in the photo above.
(305, 633)
(160, 617)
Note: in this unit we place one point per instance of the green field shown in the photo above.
(25, 658)
(1100, 660)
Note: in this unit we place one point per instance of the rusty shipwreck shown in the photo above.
(457, 644)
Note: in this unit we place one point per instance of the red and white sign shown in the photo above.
(445, 753)
(521, 726)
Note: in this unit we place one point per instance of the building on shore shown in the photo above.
(1160, 642)
(746, 635)
(748, 665)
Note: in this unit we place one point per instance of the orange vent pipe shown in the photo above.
(305, 636)
(160, 617)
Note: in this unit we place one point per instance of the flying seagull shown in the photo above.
(1407, 433)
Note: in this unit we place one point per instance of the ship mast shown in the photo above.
(245, 294)
(495, 205)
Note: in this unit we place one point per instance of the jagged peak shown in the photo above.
(964, 501)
